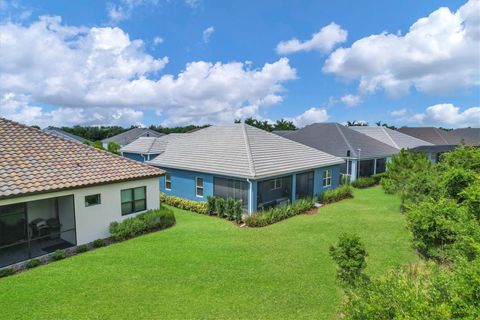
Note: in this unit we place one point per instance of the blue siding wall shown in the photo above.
(318, 179)
(183, 184)
(133, 156)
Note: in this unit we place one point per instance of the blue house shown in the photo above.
(257, 167)
(146, 148)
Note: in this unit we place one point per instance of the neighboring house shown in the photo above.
(65, 135)
(431, 134)
(55, 193)
(131, 135)
(364, 156)
(468, 136)
(239, 161)
(146, 148)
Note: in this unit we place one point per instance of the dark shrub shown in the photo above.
(229, 208)
(5, 272)
(264, 218)
(378, 177)
(350, 256)
(238, 211)
(99, 243)
(363, 182)
(33, 263)
(211, 205)
(58, 255)
(220, 207)
(143, 223)
(82, 248)
(329, 196)
(184, 204)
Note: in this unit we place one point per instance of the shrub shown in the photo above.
(229, 208)
(363, 182)
(82, 248)
(238, 211)
(99, 243)
(329, 196)
(143, 223)
(220, 207)
(264, 218)
(5, 272)
(350, 256)
(378, 177)
(58, 255)
(184, 204)
(33, 263)
(211, 205)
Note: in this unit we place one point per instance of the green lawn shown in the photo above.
(208, 268)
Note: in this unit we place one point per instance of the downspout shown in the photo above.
(250, 196)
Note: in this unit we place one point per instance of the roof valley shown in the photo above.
(249, 150)
(345, 139)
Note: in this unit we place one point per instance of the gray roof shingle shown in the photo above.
(240, 150)
(336, 139)
(151, 145)
(32, 161)
(131, 135)
(470, 136)
(431, 134)
(391, 137)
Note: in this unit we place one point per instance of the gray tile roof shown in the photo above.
(391, 137)
(336, 139)
(131, 135)
(63, 134)
(470, 136)
(431, 134)
(32, 161)
(151, 145)
(240, 150)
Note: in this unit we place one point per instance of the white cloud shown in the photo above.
(439, 54)
(157, 40)
(207, 34)
(446, 114)
(351, 100)
(324, 41)
(93, 68)
(398, 113)
(310, 116)
(122, 11)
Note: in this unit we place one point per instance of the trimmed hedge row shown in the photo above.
(270, 216)
(184, 204)
(143, 223)
(329, 196)
(363, 182)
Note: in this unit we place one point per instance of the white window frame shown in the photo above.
(169, 180)
(327, 178)
(277, 184)
(197, 187)
(98, 195)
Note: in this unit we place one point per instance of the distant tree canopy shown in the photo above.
(184, 129)
(380, 124)
(356, 123)
(281, 124)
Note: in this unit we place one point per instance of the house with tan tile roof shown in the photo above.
(56, 193)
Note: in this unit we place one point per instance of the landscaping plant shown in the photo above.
(345, 191)
(350, 256)
(238, 211)
(264, 218)
(220, 207)
(184, 204)
(363, 182)
(5, 272)
(58, 255)
(32, 263)
(229, 208)
(82, 248)
(99, 243)
(211, 204)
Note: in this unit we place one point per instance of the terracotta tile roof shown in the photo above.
(32, 161)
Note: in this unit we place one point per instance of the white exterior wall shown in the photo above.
(92, 222)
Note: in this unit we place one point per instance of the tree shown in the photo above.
(350, 256)
(264, 125)
(380, 124)
(113, 147)
(283, 124)
(356, 123)
(35, 126)
(98, 144)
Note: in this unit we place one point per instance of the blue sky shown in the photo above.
(363, 65)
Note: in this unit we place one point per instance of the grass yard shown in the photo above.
(208, 268)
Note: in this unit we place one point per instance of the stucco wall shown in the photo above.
(92, 222)
(183, 184)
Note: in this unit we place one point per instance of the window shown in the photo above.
(275, 184)
(199, 187)
(327, 178)
(168, 181)
(92, 200)
(231, 188)
(133, 200)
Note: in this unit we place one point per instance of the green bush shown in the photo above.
(363, 182)
(81, 249)
(211, 205)
(345, 191)
(220, 207)
(350, 256)
(143, 223)
(32, 263)
(58, 255)
(5, 272)
(229, 208)
(99, 243)
(378, 177)
(184, 204)
(237, 211)
(264, 218)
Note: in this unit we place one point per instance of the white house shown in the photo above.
(55, 193)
